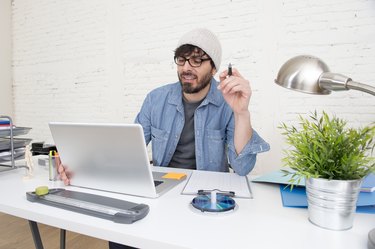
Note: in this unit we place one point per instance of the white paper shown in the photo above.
(208, 180)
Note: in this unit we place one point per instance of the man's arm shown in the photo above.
(242, 131)
(143, 118)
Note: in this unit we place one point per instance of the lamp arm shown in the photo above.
(338, 82)
(360, 87)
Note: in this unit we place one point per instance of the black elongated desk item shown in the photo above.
(119, 211)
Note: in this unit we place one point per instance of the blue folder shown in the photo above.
(297, 198)
(368, 184)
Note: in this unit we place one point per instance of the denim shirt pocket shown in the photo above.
(159, 140)
(216, 146)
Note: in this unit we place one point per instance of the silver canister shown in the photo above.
(54, 162)
(332, 203)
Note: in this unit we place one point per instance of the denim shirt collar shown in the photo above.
(214, 96)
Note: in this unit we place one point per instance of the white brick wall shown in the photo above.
(6, 97)
(95, 60)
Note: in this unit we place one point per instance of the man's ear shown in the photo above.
(214, 71)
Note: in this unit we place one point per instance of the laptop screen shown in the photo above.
(109, 157)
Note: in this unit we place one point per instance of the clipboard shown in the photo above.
(236, 185)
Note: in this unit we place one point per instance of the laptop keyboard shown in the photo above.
(157, 183)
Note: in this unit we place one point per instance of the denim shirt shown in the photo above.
(162, 119)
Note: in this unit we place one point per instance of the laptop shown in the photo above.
(109, 157)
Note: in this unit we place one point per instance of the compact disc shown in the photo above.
(223, 203)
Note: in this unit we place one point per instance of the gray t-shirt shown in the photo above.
(184, 156)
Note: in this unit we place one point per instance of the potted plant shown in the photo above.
(333, 159)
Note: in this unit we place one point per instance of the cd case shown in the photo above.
(117, 210)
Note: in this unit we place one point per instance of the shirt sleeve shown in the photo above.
(144, 118)
(244, 162)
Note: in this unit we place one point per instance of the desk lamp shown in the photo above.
(309, 74)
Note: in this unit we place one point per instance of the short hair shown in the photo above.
(188, 49)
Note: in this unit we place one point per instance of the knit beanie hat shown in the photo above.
(206, 40)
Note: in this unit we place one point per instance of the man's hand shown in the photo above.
(64, 173)
(236, 91)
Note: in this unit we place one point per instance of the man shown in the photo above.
(197, 122)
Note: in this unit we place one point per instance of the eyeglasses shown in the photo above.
(193, 61)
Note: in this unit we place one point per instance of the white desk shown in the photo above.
(258, 223)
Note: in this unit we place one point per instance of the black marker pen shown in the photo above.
(229, 69)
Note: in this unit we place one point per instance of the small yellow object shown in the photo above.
(176, 176)
(42, 190)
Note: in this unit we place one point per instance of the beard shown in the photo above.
(188, 87)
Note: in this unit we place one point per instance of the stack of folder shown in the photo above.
(297, 198)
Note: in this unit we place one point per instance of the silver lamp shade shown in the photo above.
(301, 73)
(309, 74)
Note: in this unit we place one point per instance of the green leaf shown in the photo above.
(323, 146)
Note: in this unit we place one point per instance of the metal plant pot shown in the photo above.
(332, 203)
